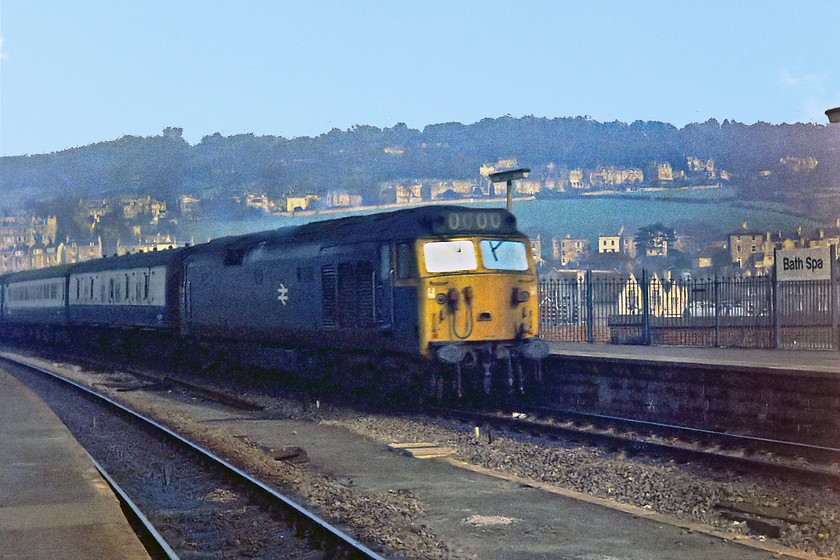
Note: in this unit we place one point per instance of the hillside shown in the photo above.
(763, 161)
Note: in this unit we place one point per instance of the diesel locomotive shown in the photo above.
(447, 286)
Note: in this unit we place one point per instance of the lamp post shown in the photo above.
(509, 177)
(834, 117)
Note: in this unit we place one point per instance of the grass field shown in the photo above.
(591, 216)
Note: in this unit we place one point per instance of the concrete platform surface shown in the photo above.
(484, 515)
(53, 502)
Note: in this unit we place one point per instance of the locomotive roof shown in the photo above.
(409, 223)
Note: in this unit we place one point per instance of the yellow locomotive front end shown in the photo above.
(479, 304)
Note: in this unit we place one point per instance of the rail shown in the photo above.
(810, 464)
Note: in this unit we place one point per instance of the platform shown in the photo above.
(805, 361)
(53, 502)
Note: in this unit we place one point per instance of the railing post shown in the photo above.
(832, 293)
(717, 310)
(777, 327)
(590, 319)
(645, 309)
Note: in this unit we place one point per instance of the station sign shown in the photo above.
(803, 264)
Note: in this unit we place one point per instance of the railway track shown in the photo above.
(151, 538)
(796, 462)
(719, 497)
(237, 499)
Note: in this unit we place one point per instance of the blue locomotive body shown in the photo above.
(306, 286)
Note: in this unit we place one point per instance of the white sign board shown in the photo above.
(803, 264)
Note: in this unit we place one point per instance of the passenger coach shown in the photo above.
(34, 303)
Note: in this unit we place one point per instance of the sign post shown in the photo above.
(806, 265)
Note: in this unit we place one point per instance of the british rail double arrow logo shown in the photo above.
(283, 294)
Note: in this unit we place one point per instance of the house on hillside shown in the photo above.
(570, 251)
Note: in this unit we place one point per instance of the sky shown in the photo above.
(78, 72)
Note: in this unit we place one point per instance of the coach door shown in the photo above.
(384, 293)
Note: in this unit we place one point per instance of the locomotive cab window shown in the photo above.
(503, 255)
(449, 256)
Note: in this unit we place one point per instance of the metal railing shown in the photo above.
(750, 312)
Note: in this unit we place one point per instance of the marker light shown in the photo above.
(520, 295)
(453, 295)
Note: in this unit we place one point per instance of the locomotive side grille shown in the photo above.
(347, 312)
(329, 302)
(355, 294)
(364, 294)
